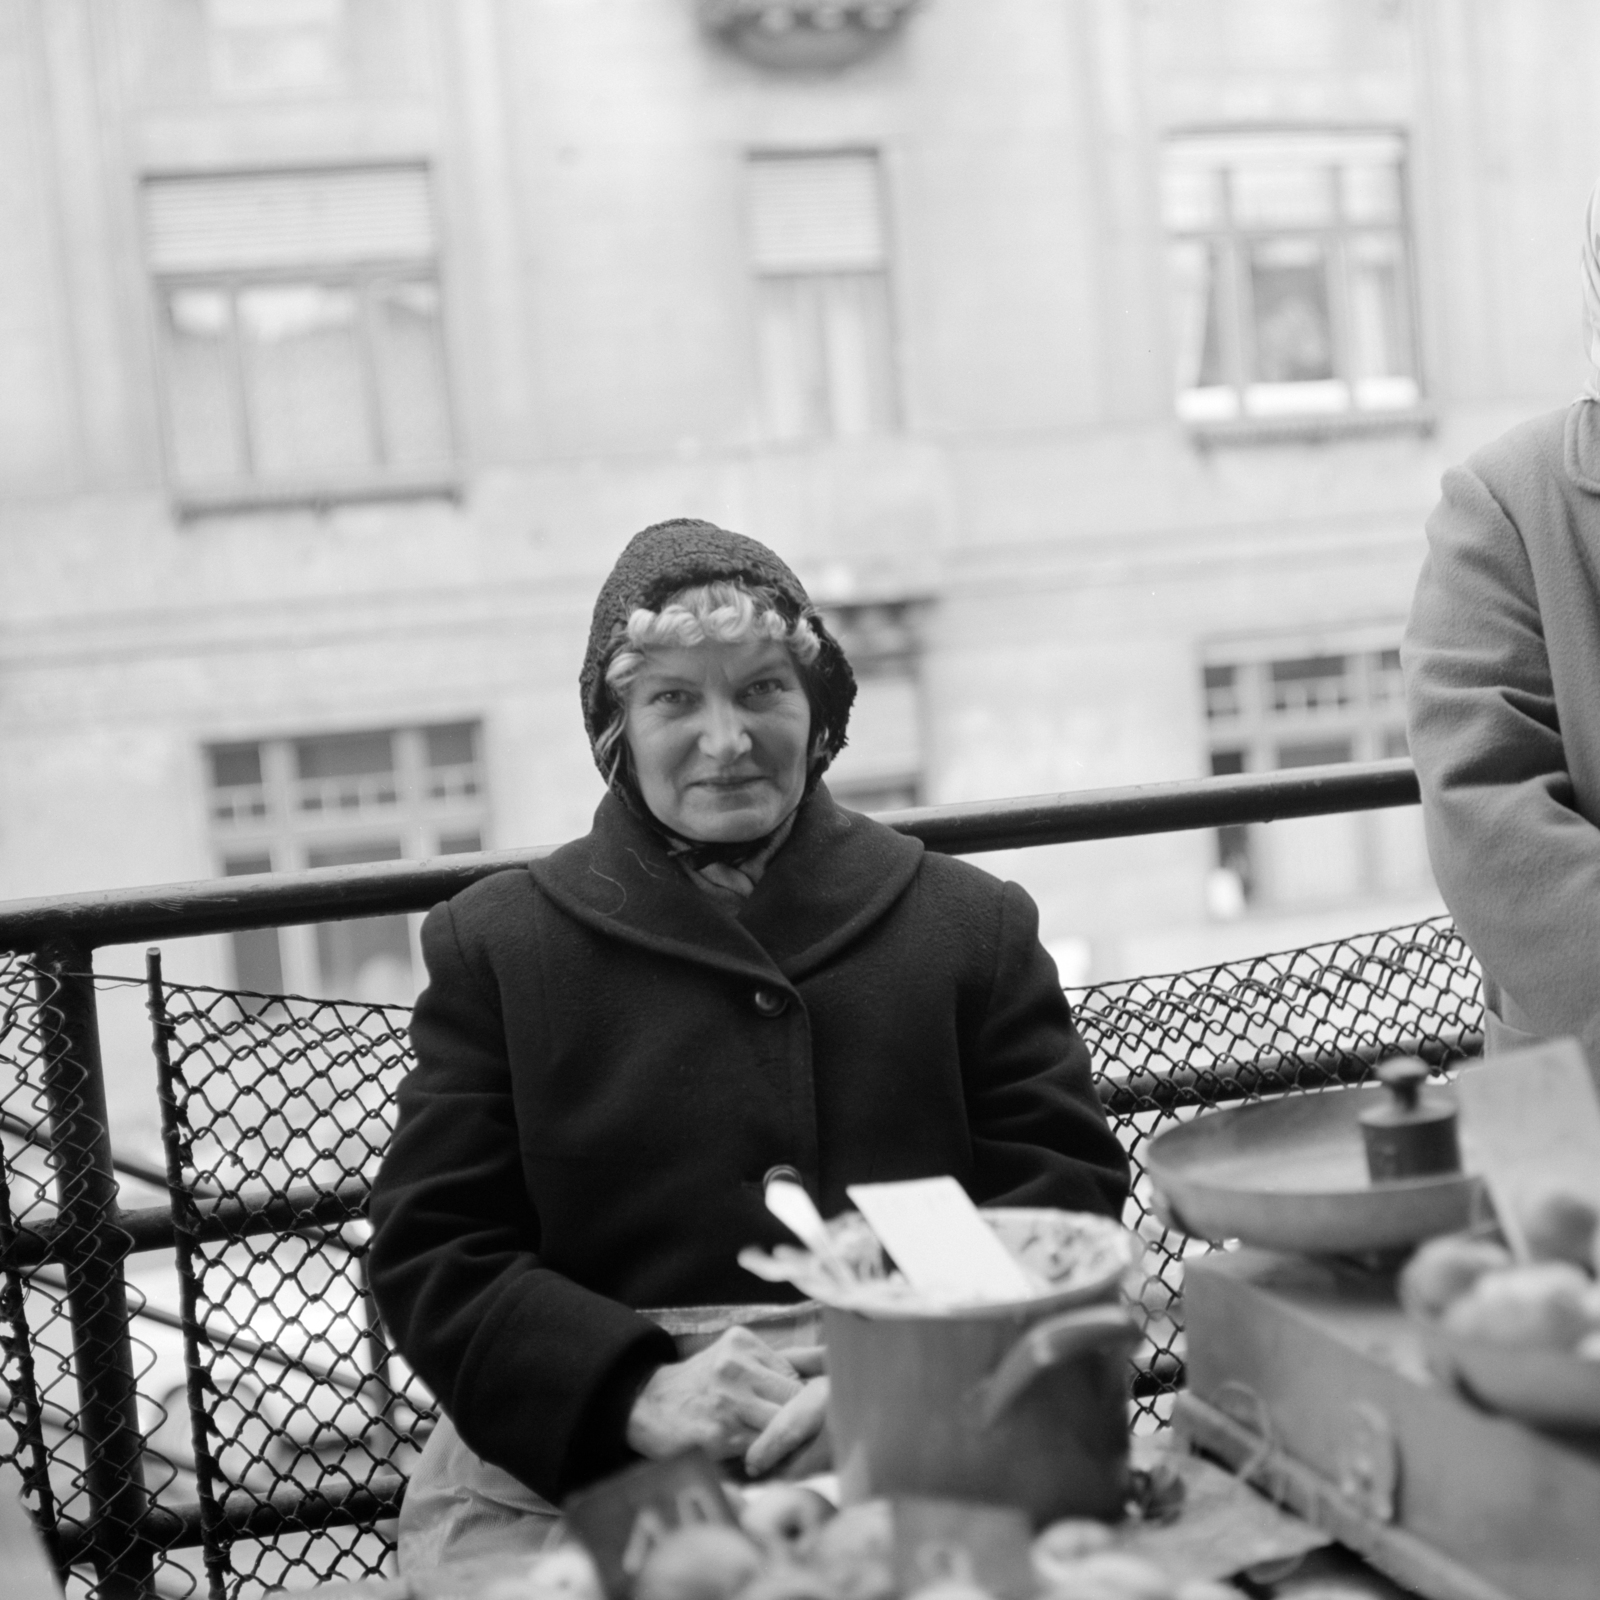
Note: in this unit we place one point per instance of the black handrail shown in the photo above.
(332, 894)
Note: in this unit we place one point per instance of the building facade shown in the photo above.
(1095, 361)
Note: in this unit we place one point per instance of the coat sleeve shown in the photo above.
(536, 1372)
(1039, 1134)
(1518, 866)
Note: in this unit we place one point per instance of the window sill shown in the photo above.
(1310, 427)
(194, 502)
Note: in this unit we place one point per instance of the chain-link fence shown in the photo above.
(273, 1427)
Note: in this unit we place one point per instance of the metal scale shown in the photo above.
(1306, 1377)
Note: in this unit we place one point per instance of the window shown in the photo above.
(1291, 275)
(881, 768)
(820, 253)
(302, 350)
(335, 800)
(1274, 705)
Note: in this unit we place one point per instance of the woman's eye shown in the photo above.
(668, 697)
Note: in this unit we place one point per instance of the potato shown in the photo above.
(1066, 1542)
(1206, 1589)
(783, 1516)
(1560, 1226)
(1445, 1269)
(1109, 1575)
(855, 1551)
(704, 1562)
(515, 1578)
(566, 1573)
(1538, 1306)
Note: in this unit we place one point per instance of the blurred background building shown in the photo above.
(1094, 360)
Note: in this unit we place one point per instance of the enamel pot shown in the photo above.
(1023, 1404)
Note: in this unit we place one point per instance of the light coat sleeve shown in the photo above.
(1039, 1134)
(1517, 863)
(535, 1371)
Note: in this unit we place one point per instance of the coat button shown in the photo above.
(770, 1002)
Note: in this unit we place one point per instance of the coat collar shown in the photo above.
(835, 876)
(1581, 445)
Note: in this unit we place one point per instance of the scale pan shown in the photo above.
(1291, 1174)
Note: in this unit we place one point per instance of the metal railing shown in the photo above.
(274, 1109)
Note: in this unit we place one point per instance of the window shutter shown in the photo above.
(816, 213)
(289, 219)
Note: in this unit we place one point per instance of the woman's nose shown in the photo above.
(724, 735)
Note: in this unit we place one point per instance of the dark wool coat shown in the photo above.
(608, 1063)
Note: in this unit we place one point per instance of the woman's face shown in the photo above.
(719, 735)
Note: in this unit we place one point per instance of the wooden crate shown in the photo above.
(1308, 1377)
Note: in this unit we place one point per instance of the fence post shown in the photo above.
(93, 1248)
(198, 1383)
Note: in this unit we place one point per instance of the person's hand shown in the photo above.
(796, 1425)
(721, 1399)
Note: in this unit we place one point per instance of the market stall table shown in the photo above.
(1222, 1528)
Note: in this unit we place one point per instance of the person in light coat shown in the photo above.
(730, 974)
(1502, 671)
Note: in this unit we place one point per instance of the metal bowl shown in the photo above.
(1291, 1174)
(1555, 1389)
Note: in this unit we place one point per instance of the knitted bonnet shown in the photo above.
(675, 555)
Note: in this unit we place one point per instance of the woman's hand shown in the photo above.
(795, 1426)
(721, 1399)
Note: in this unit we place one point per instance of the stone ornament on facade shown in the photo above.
(800, 35)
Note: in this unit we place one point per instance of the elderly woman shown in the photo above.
(729, 974)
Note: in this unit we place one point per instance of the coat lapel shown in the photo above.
(835, 876)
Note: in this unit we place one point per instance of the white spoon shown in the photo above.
(793, 1207)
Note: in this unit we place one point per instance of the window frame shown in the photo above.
(1255, 731)
(880, 276)
(884, 641)
(286, 833)
(380, 481)
(1233, 243)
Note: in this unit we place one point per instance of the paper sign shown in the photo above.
(621, 1519)
(938, 1240)
(1530, 1123)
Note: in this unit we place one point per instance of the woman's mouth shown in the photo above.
(727, 784)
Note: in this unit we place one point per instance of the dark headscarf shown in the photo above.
(675, 555)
